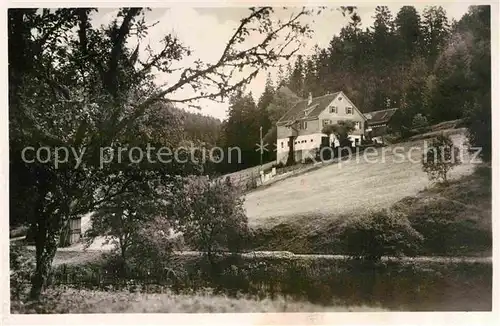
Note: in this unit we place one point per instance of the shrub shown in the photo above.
(210, 215)
(445, 232)
(440, 158)
(153, 244)
(419, 121)
(252, 182)
(128, 221)
(379, 234)
(22, 266)
(478, 123)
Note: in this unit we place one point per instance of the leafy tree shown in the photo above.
(341, 130)
(121, 220)
(413, 87)
(440, 158)
(478, 122)
(78, 86)
(478, 110)
(210, 215)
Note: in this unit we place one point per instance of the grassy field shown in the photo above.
(455, 220)
(87, 301)
(352, 186)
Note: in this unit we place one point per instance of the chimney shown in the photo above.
(309, 101)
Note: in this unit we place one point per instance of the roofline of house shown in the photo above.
(297, 102)
(355, 107)
(281, 122)
(291, 108)
(381, 110)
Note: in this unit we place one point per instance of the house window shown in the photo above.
(357, 125)
(311, 140)
(303, 125)
(340, 98)
(327, 122)
(333, 109)
(281, 144)
(348, 110)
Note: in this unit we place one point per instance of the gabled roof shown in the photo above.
(301, 111)
(380, 117)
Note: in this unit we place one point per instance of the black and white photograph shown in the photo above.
(229, 158)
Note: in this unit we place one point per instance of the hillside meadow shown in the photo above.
(352, 186)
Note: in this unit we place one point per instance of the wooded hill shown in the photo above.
(425, 64)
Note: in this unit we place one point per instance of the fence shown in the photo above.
(248, 179)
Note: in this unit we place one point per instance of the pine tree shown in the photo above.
(436, 30)
(409, 31)
(311, 78)
(296, 82)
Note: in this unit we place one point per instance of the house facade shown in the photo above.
(300, 128)
(377, 122)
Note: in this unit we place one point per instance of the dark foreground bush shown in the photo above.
(22, 266)
(445, 234)
(383, 233)
(391, 284)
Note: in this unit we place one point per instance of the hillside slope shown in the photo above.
(353, 186)
(455, 220)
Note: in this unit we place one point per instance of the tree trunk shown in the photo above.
(291, 153)
(124, 266)
(46, 242)
(48, 229)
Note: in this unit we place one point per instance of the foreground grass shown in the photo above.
(87, 301)
(281, 283)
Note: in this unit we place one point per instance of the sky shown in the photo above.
(206, 31)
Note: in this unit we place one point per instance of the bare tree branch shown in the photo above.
(259, 55)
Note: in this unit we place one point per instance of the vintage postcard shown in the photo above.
(227, 158)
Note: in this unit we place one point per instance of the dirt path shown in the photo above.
(76, 257)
